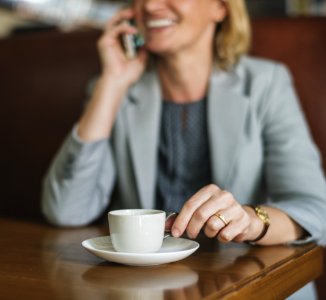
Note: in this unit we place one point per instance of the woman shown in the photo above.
(203, 129)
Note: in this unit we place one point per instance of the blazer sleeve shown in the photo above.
(294, 176)
(79, 182)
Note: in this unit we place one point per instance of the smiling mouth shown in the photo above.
(159, 23)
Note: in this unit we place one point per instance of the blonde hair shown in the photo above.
(233, 35)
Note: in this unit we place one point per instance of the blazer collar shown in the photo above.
(227, 109)
(143, 118)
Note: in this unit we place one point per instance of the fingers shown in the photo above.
(110, 47)
(111, 37)
(214, 225)
(170, 220)
(189, 208)
(199, 208)
(219, 202)
(235, 230)
(216, 212)
(232, 232)
(116, 27)
(124, 14)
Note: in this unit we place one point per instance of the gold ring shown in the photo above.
(222, 218)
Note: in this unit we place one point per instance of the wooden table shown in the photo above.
(42, 262)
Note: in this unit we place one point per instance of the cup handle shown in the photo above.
(169, 220)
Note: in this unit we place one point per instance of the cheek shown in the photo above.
(196, 14)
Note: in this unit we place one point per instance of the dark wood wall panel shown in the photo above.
(43, 80)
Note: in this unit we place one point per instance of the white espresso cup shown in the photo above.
(137, 230)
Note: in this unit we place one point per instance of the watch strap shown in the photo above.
(259, 211)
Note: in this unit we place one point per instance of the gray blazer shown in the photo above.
(261, 151)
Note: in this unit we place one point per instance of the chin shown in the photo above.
(160, 50)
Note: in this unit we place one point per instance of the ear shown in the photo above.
(219, 10)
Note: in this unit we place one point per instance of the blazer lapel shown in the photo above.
(227, 110)
(143, 119)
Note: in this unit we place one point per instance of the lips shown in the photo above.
(159, 23)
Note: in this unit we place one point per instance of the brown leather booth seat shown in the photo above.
(43, 78)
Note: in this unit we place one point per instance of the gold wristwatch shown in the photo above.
(262, 214)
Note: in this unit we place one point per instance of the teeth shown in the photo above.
(159, 23)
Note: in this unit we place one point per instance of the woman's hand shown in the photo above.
(219, 215)
(118, 74)
(115, 64)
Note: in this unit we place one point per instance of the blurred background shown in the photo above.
(32, 15)
(48, 56)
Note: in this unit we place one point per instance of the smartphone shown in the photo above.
(131, 42)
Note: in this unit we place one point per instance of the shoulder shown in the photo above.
(254, 69)
(268, 84)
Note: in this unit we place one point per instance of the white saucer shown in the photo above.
(173, 249)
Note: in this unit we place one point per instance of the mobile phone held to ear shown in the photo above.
(131, 42)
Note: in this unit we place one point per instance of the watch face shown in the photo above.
(261, 213)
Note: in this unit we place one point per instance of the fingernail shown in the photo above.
(175, 232)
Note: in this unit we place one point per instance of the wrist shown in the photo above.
(116, 82)
(256, 225)
(109, 91)
(262, 217)
(99, 116)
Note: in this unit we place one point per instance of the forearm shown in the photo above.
(282, 228)
(78, 182)
(97, 121)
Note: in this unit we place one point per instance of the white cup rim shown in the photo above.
(137, 212)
